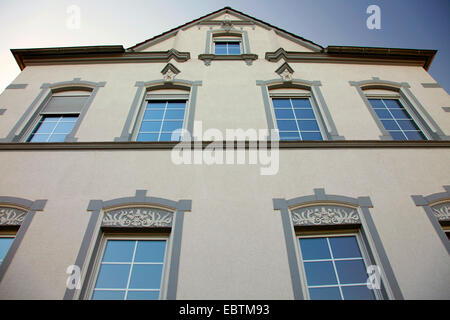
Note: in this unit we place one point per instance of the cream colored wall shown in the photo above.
(233, 244)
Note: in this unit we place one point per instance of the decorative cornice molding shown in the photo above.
(385, 56)
(285, 72)
(169, 72)
(208, 57)
(43, 58)
(442, 211)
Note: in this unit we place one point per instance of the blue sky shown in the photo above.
(416, 24)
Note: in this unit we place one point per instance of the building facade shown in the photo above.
(334, 182)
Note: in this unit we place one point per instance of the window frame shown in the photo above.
(406, 106)
(314, 107)
(218, 39)
(161, 97)
(106, 236)
(328, 234)
(5, 234)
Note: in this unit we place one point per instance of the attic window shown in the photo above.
(227, 45)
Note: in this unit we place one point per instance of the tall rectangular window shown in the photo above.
(396, 119)
(296, 119)
(335, 268)
(160, 119)
(227, 47)
(5, 243)
(130, 269)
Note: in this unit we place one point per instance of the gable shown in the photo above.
(286, 40)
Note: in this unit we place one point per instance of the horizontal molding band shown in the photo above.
(134, 145)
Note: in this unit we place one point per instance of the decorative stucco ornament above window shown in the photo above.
(442, 211)
(226, 23)
(325, 215)
(169, 72)
(137, 217)
(285, 72)
(11, 216)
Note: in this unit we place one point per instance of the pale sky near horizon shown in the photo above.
(415, 24)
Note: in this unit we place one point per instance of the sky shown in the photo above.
(414, 24)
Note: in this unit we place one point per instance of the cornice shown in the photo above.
(134, 145)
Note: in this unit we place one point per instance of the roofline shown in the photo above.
(21, 54)
(216, 12)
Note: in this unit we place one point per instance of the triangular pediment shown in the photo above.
(227, 15)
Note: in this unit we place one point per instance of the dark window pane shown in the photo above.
(147, 137)
(220, 48)
(377, 103)
(301, 103)
(119, 251)
(284, 135)
(156, 105)
(331, 293)
(351, 271)
(383, 113)
(146, 276)
(176, 104)
(174, 114)
(108, 295)
(173, 136)
(153, 114)
(281, 103)
(314, 248)
(314, 136)
(400, 114)
(45, 127)
(150, 126)
(308, 125)
(150, 251)
(357, 293)
(407, 125)
(320, 273)
(345, 247)
(113, 276)
(390, 125)
(397, 135)
(304, 114)
(234, 48)
(392, 103)
(169, 126)
(284, 114)
(415, 135)
(287, 125)
(143, 295)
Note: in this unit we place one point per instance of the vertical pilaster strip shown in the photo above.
(126, 134)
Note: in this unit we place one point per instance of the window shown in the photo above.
(396, 119)
(130, 269)
(227, 47)
(335, 268)
(53, 128)
(5, 243)
(161, 119)
(296, 119)
(58, 117)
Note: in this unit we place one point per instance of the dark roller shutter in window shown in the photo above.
(67, 104)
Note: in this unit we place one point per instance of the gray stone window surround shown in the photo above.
(31, 116)
(437, 209)
(423, 119)
(324, 119)
(209, 55)
(137, 107)
(359, 221)
(105, 218)
(16, 215)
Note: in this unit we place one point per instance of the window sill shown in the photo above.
(208, 57)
